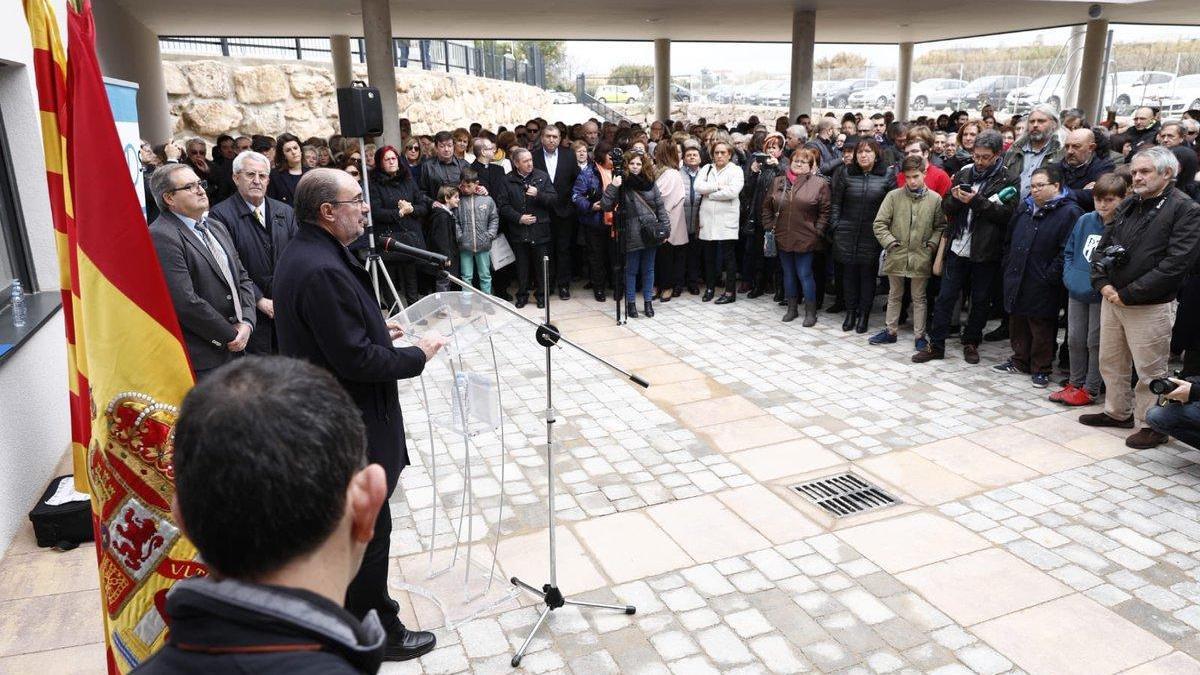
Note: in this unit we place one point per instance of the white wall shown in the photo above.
(127, 50)
(34, 420)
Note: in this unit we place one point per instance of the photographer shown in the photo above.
(1180, 417)
(1138, 268)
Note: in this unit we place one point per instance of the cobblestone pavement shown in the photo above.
(1023, 542)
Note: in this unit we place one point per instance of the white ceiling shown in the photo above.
(838, 21)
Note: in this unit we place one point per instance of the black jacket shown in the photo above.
(385, 192)
(1033, 266)
(989, 218)
(201, 295)
(854, 200)
(755, 189)
(564, 180)
(491, 176)
(831, 157)
(639, 209)
(439, 233)
(1162, 239)
(325, 312)
(435, 174)
(232, 626)
(1076, 177)
(1142, 139)
(514, 203)
(259, 248)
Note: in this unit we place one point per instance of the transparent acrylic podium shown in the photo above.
(461, 393)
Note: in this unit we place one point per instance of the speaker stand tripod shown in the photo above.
(374, 263)
(548, 337)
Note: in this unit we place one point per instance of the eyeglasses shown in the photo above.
(357, 200)
(195, 186)
(1038, 186)
(412, 147)
(252, 175)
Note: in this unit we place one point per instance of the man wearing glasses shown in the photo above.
(260, 228)
(326, 313)
(213, 295)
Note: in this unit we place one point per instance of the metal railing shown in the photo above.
(428, 54)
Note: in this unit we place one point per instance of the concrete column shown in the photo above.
(662, 79)
(343, 72)
(128, 50)
(1074, 63)
(904, 81)
(804, 39)
(381, 64)
(1092, 68)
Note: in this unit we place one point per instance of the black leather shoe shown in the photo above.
(541, 303)
(836, 308)
(564, 293)
(849, 321)
(649, 309)
(403, 644)
(725, 299)
(630, 309)
(599, 296)
(522, 301)
(708, 294)
(694, 290)
(755, 291)
(861, 326)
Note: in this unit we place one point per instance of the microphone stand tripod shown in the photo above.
(374, 264)
(548, 336)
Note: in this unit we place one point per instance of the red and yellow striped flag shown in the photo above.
(129, 368)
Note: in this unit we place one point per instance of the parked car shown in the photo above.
(763, 89)
(1176, 96)
(779, 94)
(1132, 85)
(746, 93)
(562, 97)
(935, 92)
(878, 97)
(819, 89)
(617, 93)
(1049, 89)
(678, 94)
(722, 93)
(838, 95)
(989, 89)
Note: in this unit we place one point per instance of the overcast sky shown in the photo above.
(688, 58)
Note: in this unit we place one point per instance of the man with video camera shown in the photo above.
(1138, 267)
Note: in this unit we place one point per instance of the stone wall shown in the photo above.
(213, 96)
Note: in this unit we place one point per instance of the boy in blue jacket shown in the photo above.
(1083, 303)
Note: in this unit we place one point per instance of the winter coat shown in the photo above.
(1140, 139)
(1077, 257)
(797, 212)
(989, 219)
(691, 201)
(1014, 160)
(755, 190)
(914, 224)
(1033, 266)
(1076, 177)
(957, 161)
(635, 212)
(386, 191)
(478, 223)
(855, 200)
(440, 232)
(831, 156)
(670, 186)
(514, 203)
(435, 174)
(1161, 236)
(935, 179)
(588, 189)
(720, 208)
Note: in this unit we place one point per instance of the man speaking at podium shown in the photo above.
(326, 312)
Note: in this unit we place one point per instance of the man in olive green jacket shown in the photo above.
(909, 225)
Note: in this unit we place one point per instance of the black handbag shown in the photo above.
(653, 233)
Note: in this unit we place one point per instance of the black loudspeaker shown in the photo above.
(360, 110)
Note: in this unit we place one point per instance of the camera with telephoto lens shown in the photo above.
(1112, 257)
(1161, 386)
(618, 162)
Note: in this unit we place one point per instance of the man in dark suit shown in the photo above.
(260, 228)
(326, 312)
(563, 171)
(525, 206)
(210, 289)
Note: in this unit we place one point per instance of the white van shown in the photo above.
(617, 93)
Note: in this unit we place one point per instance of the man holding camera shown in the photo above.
(1180, 416)
(1138, 267)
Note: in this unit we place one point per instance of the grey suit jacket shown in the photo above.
(199, 291)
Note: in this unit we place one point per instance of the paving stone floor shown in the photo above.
(1023, 542)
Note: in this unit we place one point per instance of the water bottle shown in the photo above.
(19, 311)
(461, 413)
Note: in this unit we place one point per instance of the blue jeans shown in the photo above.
(639, 264)
(1179, 420)
(957, 272)
(798, 266)
(477, 262)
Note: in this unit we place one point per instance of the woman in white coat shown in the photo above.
(720, 183)
(672, 255)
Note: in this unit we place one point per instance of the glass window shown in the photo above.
(13, 263)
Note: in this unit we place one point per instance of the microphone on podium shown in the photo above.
(389, 245)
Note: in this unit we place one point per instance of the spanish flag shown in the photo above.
(129, 369)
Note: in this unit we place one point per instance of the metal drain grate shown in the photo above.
(845, 495)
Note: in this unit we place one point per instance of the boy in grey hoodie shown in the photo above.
(477, 225)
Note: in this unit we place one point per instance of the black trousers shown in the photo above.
(720, 256)
(754, 265)
(565, 229)
(671, 266)
(820, 264)
(695, 261)
(600, 249)
(369, 588)
(404, 275)
(529, 257)
(859, 282)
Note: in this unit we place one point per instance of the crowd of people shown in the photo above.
(956, 220)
